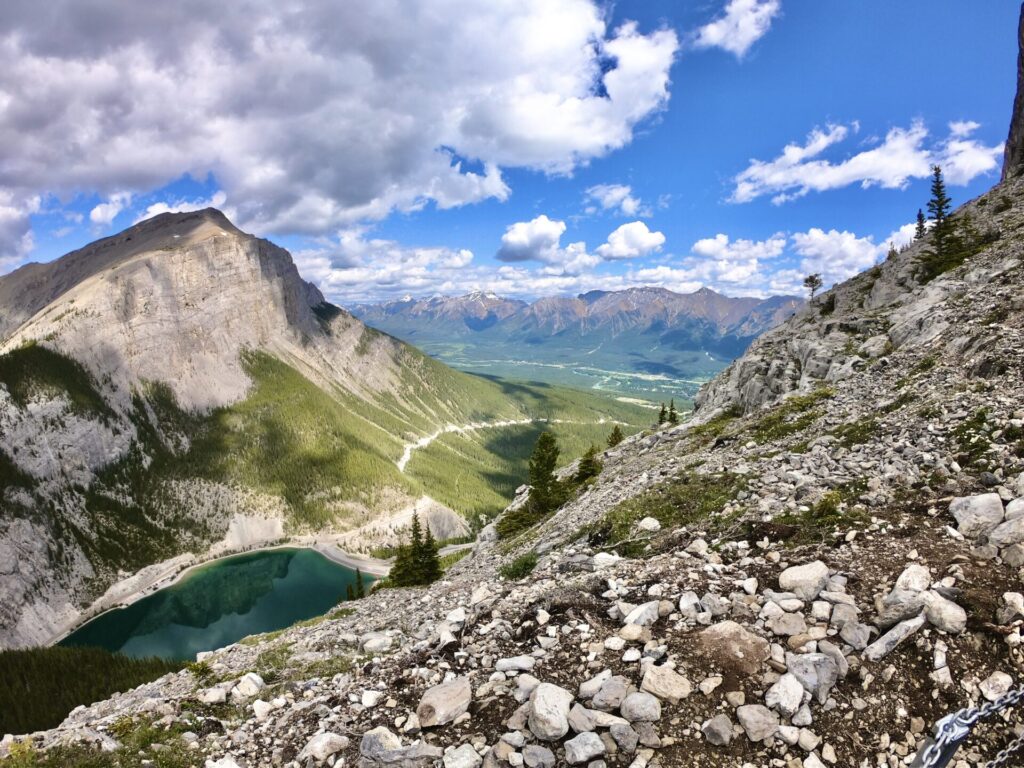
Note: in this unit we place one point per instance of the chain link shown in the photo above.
(954, 728)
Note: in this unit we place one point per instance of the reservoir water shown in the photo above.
(220, 603)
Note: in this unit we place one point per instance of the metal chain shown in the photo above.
(1003, 757)
(954, 728)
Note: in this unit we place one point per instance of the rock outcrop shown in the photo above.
(1013, 157)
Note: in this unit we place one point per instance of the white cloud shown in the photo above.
(733, 264)
(216, 200)
(901, 156)
(836, 255)
(616, 197)
(318, 115)
(535, 240)
(16, 239)
(962, 158)
(742, 24)
(630, 241)
(104, 213)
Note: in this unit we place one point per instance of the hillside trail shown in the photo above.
(423, 442)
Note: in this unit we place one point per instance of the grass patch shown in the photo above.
(972, 439)
(793, 415)
(713, 428)
(856, 432)
(447, 561)
(690, 499)
(519, 568)
(328, 668)
(40, 686)
(826, 516)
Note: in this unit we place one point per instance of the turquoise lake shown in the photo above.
(220, 603)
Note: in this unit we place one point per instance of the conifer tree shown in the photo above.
(662, 415)
(589, 466)
(938, 212)
(543, 485)
(892, 251)
(673, 416)
(921, 230)
(430, 565)
(360, 587)
(615, 437)
(416, 550)
(350, 594)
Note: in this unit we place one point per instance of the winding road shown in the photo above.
(423, 442)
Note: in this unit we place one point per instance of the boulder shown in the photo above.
(516, 664)
(944, 614)
(805, 581)
(1008, 533)
(643, 615)
(536, 756)
(915, 578)
(816, 672)
(786, 695)
(445, 702)
(322, 746)
(584, 747)
(717, 730)
(549, 712)
(463, 757)
(665, 683)
(733, 647)
(977, 516)
(757, 721)
(888, 642)
(612, 692)
(640, 707)
(249, 685)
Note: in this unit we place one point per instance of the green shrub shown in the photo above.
(690, 499)
(793, 415)
(519, 568)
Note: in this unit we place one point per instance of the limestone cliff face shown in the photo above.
(1013, 159)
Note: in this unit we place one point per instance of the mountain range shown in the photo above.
(179, 386)
(648, 341)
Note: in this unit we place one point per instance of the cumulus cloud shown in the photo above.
(615, 197)
(733, 264)
(535, 240)
(742, 23)
(16, 239)
(630, 241)
(217, 200)
(899, 157)
(836, 255)
(104, 213)
(318, 115)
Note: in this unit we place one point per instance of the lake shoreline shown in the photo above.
(183, 565)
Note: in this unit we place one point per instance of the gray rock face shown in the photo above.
(549, 712)
(443, 703)
(1013, 154)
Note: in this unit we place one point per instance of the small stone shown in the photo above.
(665, 683)
(583, 747)
(757, 721)
(322, 746)
(718, 730)
(549, 712)
(649, 524)
(536, 756)
(977, 516)
(443, 703)
(640, 707)
(785, 695)
(463, 757)
(805, 581)
(995, 685)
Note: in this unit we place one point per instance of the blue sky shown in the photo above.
(529, 148)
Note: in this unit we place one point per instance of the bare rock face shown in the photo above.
(1013, 157)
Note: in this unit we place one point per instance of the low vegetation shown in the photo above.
(795, 414)
(692, 499)
(40, 686)
(519, 568)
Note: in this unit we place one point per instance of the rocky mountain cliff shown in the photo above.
(817, 567)
(178, 385)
